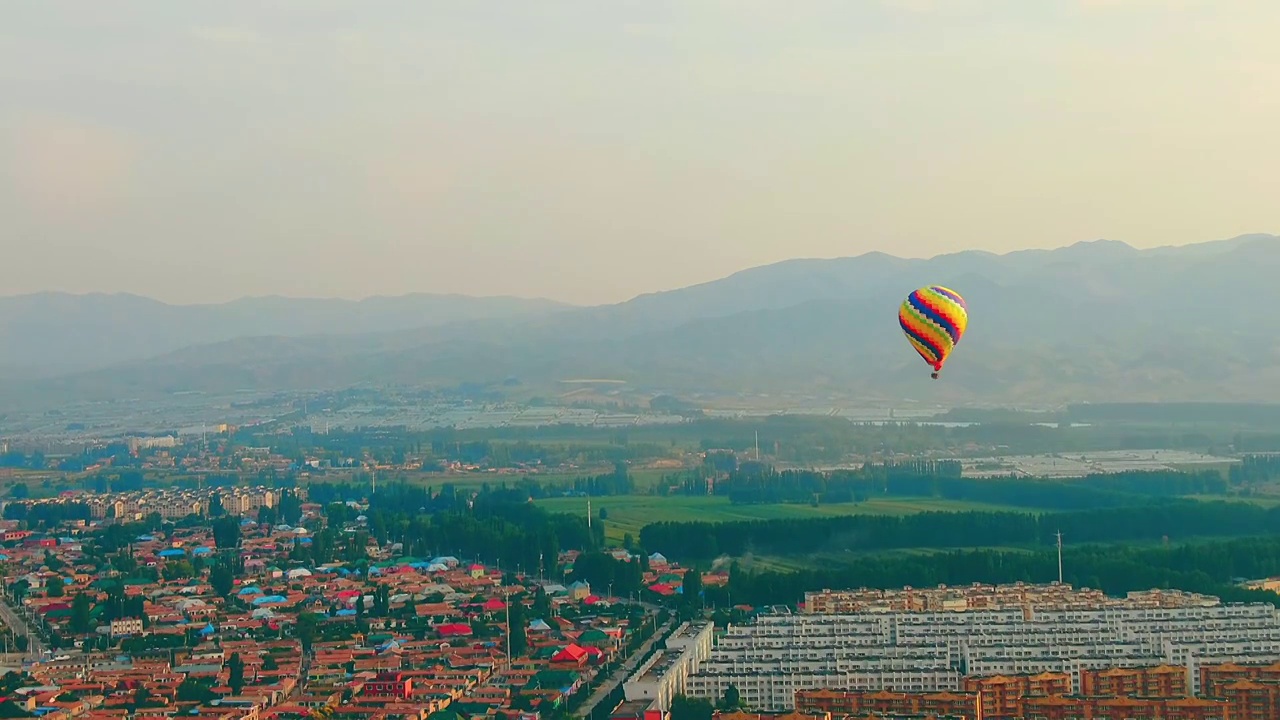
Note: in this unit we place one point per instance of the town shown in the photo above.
(218, 603)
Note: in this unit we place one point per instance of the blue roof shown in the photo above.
(202, 550)
(251, 590)
(345, 613)
(172, 552)
(268, 598)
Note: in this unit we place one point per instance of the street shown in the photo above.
(623, 672)
(20, 627)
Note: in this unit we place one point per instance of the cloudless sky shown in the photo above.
(591, 150)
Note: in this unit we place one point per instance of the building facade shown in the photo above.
(666, 673)
(1054, 631)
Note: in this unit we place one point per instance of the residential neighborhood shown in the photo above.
(227, 618)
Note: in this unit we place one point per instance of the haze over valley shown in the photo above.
(1090, 322)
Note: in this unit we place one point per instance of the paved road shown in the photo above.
(20, 626)
(625, 670)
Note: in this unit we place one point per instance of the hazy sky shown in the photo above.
(590, 150)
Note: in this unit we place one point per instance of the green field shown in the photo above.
(645, 479)
(1266, 501)
(629, 513)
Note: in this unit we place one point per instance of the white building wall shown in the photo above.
(770, 659)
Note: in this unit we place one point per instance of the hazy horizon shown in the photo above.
(358, 298)
(591, 152)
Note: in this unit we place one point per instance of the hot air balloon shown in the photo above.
(934, 319)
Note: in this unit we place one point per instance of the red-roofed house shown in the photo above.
(574, 655)
(453, 630)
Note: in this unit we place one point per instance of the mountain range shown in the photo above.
(1094, 321)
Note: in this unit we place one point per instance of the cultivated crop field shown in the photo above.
(628, 513)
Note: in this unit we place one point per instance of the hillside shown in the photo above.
(51, 333)
(1094, 321)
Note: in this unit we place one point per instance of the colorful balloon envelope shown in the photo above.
(934, 319)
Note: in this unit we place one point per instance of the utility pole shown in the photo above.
(1059, 534)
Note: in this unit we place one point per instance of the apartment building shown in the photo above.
(126, 626)
(771, 659)
(999, 695)
(979, 596)
(176, 504)
(842, 703)
(974, 706)
(665, 674)
(1160, 681)
(1214, 677)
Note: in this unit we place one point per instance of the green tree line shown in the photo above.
(1209, 567)
(1177, 520)
(754, 483)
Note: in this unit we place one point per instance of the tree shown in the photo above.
(732, 699)
(55, 587)
(236, 667)
(215, 506)
(541, 603)
(193, 691)
(141, 696)
(178, 569)
(381, 600)
(19, 491)
(19, 590)
(307, 629)
(518, 636)
(269, 663)
(80, 620)
(222, 579)
(687, 708)
(226, 532)
(691, 589)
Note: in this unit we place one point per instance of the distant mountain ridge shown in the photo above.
(1093, 321)
(50, 333)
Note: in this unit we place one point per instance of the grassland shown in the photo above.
(626, 514)
(1266, 501)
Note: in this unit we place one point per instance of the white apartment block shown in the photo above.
(126, 626)
(665, 675)
(175, 504)
(776, 655)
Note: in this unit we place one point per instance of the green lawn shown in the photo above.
(629, 513)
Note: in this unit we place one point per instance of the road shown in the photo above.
(625, 670)
(20, 626)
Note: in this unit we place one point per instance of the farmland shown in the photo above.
(626, 514)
